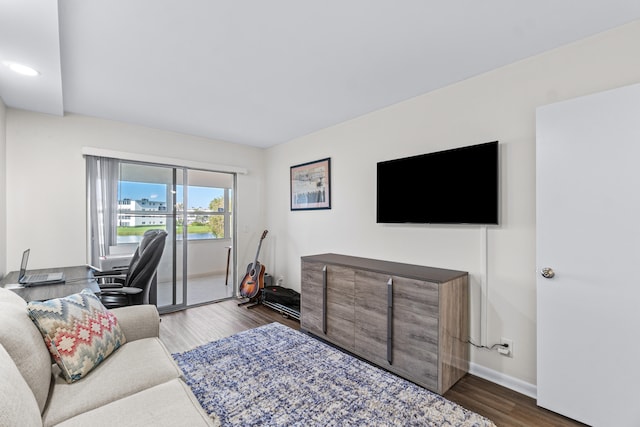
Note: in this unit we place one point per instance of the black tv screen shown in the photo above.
(458, 186)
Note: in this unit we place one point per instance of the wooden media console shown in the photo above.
(411, 320)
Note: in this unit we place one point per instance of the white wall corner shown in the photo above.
(507, 381)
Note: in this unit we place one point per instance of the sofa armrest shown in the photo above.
(138, 321)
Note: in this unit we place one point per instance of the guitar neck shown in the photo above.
(255, 261)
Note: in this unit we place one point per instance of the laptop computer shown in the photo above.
(37, 278)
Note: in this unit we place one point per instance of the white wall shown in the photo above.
(499, 105)
(3, 186)
(46, 199)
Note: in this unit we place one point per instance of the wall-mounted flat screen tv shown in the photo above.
(457, 186)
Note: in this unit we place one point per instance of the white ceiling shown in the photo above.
(263, 72)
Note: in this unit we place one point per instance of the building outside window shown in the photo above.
(142, 204)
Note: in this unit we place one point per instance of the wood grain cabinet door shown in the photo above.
(371, 311)
(312, 298)
(340, 306)
(415, 331)
(326, 302)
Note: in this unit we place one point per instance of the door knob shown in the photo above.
(547, 273)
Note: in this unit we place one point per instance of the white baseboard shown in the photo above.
(504, 380)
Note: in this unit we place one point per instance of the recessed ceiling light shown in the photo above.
(21, 69)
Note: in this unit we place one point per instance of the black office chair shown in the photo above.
(134, 286)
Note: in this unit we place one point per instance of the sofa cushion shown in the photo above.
(138, 321)
(22, 340)
(78, 330)
(136, 366)
(11, 297)
(19, 406)
(169, 404)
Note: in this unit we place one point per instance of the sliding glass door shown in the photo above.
(147, 199)
(194, 207)
(204, 216)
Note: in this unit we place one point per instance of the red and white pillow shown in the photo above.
(78, 330)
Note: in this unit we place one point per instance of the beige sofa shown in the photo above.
(137, 385)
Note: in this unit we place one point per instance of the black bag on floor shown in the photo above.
(280, 295)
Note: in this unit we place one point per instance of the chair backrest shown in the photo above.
(144, 263)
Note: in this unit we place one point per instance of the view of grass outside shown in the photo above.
(139, 231)
(135, 231)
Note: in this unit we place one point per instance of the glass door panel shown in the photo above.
(146, 200)
(208, 236)
(195, 209)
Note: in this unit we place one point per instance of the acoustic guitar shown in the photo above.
(253, 281)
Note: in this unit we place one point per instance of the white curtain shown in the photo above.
(102, 188)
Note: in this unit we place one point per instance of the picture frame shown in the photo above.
(311, 185)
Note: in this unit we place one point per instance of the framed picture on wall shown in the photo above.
(311, 185)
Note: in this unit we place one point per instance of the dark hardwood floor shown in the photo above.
(186, 329)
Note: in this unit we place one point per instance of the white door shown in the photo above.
(588, 232)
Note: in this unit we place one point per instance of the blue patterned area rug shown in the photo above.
(276, 376)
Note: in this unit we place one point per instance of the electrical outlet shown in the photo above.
(510, 348)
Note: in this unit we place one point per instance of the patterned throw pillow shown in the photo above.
(78, 331)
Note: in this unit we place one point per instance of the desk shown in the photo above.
(77, 278)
